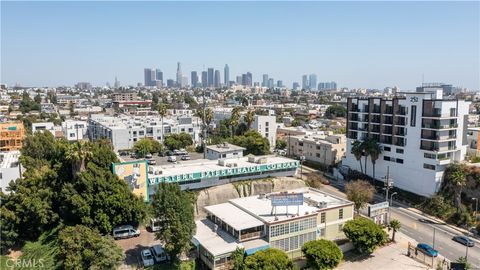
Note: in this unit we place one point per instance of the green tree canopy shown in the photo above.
(147, 146)
(281, 144)
(253, 142)
(322, 254)
(335, 111)
(83, 248)
(178, 141)
(174, 209)
(271, 259)
(47, 195)
(364, 234)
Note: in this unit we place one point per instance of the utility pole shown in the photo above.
(204, 127)
(433, 244)
(388, 183)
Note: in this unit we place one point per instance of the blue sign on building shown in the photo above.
(287, 199)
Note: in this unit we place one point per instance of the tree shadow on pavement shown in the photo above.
(132, 256)
(353, 256)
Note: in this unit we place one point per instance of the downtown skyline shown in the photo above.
(360, 45)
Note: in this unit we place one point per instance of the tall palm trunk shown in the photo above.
(373, 172)
(162, 129)
(366, 159)
(361, 167)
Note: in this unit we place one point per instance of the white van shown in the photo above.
(154, 224)
(126, 231)
(172, 159)
(159, 253)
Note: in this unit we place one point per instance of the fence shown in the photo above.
(438, 262)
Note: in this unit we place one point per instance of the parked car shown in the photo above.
(154, 224)
(185, 157)
(172, 159)
(152, 162)
(427, 249)
(161, 154)
(463, 240)
(147, 257)
(159, 253)
(125, 231)
(148, 156)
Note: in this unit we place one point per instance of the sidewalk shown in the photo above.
(392, 257)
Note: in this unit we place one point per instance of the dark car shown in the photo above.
(463, 240)
(424, 220)
(427, 249)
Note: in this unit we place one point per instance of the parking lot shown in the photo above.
(163, 160)
(133, 246)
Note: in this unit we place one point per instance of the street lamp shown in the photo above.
(390, 205)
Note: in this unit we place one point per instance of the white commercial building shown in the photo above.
(420, 133)
(266, 125)
(124, 130)
(224, 151)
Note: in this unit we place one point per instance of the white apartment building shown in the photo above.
(75, 130)
(43, 126)
(124, 130)
(420, 132)
(266, 125)
(9, 168)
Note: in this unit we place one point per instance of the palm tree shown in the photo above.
(77, 154)
(394, 225)
(366, 144)
(249, 118)
(162, 111)
(374, 150)
(357, 151)
(455, 176)
(234, 119)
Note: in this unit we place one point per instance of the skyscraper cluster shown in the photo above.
(153, 77)
(309, 82)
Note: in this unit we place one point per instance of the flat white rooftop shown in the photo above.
(225, 147)
(233, 216)
(216, 242)
(314, 201)
(205, 165)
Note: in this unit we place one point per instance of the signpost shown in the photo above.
(286, 199)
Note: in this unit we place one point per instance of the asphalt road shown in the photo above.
(423, 232)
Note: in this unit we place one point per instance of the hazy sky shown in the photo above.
(357, 44)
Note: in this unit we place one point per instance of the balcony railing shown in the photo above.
(437, 126)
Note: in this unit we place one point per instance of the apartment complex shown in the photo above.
(9, 168)
(266, 125)
(259, 222)
(11, 136)
(318, 148)
(123, 131)
(420, 132)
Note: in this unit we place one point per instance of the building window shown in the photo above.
(267, 123)
(340, 227)
(413, 115)
(428, 166)
(322, 232)
(386, 148)
(428, 155)
(399, 160)
(323, 217)
(386, 158)
(399, 151)
(317, 155)
(340, 213)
